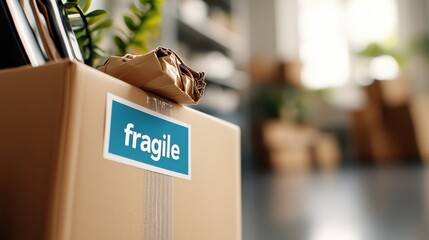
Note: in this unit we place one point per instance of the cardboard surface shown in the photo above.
(295, 148)
(56, 184)
(420, 115)
(384, 132)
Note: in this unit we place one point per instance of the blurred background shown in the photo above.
(332, 98)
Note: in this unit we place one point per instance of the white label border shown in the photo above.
(128, 161)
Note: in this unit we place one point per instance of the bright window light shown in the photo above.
(384, 68)
(336, 231)
(370, 21)
(323, 49)
(329, 29)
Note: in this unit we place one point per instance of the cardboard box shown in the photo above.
(384, 132)
(420, 117)
(296, 148)
(56, 184)
(395, 92)
(288, 145)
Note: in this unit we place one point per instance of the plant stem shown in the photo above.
(90, 59)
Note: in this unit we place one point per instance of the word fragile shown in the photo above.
(156, 147)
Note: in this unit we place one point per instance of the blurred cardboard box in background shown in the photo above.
(419, 111)
(385, 130)
(293, 147)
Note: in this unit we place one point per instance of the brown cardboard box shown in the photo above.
(296, 148)
(55, 183)
(288, 145)
(384, 129)
(395, 92)
(420, 116)
(327, 152)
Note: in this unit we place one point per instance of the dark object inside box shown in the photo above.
(18, 43)
(35, 33)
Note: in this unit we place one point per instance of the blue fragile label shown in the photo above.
(140, 137)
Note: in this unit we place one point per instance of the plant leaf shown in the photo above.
(97, 36)
(136, 11)
(96, 13)
(104, 24)
(153, 19)
(83, 41)
(142, 24)
(96, 16)
(69, 4)
(120, 43)
(145, 2)
(99, 52)
(138, 42)
(130, 23)
(72, 1)
(84, 5)
(81, 36)
(79, 33)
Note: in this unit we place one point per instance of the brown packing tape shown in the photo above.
(160, 71)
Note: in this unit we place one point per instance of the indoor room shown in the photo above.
(306, 119)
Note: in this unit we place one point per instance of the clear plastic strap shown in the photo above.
(158, 205)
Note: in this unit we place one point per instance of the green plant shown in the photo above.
(285, 102)
(375, 49)
(88, 28)
(141, 23)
